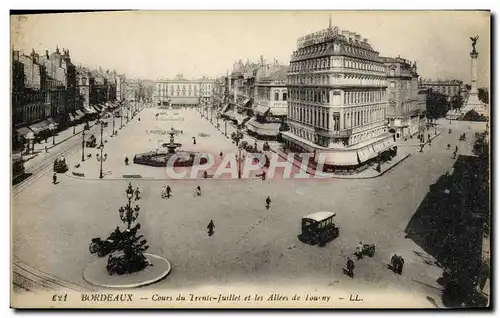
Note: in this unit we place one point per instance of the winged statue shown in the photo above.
(474, 40)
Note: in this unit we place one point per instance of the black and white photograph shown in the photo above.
(250, 159)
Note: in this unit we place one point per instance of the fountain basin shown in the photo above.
(162, 158)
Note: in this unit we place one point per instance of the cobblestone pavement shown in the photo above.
(53, 225)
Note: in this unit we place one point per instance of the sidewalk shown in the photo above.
(39, 151)
(414, 142)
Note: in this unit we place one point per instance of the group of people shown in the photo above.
(396, 263)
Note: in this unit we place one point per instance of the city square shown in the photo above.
(402, 169)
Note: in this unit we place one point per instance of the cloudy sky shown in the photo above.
(160, 44)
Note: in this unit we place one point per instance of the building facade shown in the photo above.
(449, 88)
(270, 104)
(181, 92)
(403, 109)
(337, 99)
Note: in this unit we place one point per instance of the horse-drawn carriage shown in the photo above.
(115, 241)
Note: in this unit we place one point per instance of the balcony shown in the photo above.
(345, 133)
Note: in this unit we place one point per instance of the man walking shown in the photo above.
(54, 178)
(268, 203)
(210, 228)
(168, 191)
(350, 267)
(137, 194)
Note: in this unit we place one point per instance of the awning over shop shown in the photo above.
(264, 129)
(344, 158)
(98, 108)
(23, 131)
(246, 101)
(39, 127)
(230, 114)
(261, 110)
(79, 113)
(366, 154)
(241, 118)
(383, 144)
(88, 110)
(279, 111)
(52, 121)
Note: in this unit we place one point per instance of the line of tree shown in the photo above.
(437, 105)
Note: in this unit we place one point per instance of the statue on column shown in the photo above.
(474, 41)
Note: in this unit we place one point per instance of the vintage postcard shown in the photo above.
(250, 159)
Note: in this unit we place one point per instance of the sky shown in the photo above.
(160, 44)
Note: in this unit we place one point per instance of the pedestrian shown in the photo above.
(46, 149)
(210, 228)
(263, 175)
(198, 191)
(359, 250)
(268, 203)
(126, 161)
(54, 178)
(350, 267)
(137, 194)
(169, 191)
(194, 141)
(221, 154)
(456, 148)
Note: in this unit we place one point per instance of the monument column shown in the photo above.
(473, 102)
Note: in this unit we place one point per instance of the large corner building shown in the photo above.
(337, 99)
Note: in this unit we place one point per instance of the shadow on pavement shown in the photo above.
(449, 225)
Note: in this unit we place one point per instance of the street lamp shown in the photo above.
(102, 157)
(113, 124)
(225, 127)
(127, 213)
(52, 129)
(83, 145)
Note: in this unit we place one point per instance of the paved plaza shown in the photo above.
(54, 224)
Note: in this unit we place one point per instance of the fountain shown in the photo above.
(161, 158)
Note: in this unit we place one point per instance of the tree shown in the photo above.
(472, 115)
(437, 105)
(483, 95)
(457, 102)
(467, 87)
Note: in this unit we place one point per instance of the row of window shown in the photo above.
(358, 117)
(177, 93)
(336, 79)
(310, 95)
(265, 93)
(313, 116)
(363, 65)
(351, 98)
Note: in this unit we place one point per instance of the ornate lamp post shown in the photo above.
(121, 115)
(83, 145)
(102, 157)
(113, 124)
(127, 213)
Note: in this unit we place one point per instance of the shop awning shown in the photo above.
(39, 127)
(246, 101)
(79, 114)
(366, 154)
(98, 108)
(52, 121)
(88, 110)
(264, 129)
(279, 111)
(230, 114)
(344, 158)
(23, 131)
(261, 110)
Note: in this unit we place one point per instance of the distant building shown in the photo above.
(270, 104)
(449, 88)
(181, 92)
(403, 110)
(337, 100)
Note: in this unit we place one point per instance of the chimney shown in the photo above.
(357, 37)
(365, 40)
(345, 34)
(47, 53)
